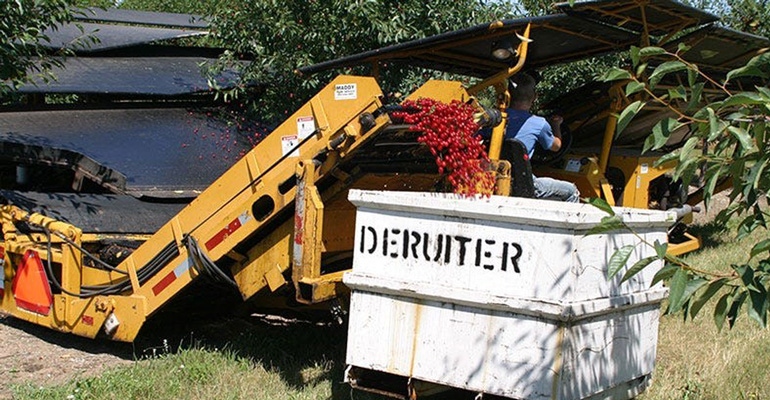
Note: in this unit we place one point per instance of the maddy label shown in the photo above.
(407, 244)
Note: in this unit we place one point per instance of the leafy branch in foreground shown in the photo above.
(690, 288)
(23, 24)
(721, 141)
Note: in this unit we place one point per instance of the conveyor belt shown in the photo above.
(110, 36)
(161, 152)
(152, 76)
(96, 213)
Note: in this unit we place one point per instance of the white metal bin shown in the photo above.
(501, 295)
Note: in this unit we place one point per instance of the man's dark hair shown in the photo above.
(522, 88)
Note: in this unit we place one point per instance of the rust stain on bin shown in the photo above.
(415, 338)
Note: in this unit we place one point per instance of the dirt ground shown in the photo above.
(30, 353)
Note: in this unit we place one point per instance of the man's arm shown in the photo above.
(555, 122)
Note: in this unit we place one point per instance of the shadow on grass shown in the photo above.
(711, 234)
(303, 347)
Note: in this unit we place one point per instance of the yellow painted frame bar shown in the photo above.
(499, 81)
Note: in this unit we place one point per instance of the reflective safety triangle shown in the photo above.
(30, 285)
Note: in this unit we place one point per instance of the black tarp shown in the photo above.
(77, 36)
(468, 51)
(587, 29)
(97, 213)
(661, 17)
(162, 152)
(153, 76)
(721, 49)
(141, 17)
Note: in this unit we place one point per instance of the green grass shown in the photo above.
(260, 360)
(695, 360)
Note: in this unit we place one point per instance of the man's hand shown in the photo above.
(555, 120)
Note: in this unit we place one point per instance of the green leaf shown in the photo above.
(607, 224)
(692, 286)
(637, 267)
(732, 313)
(742, 99)
(756, 173)
(665, 273)
(746, 226)
(696, 92)
(634, 87)
(764, 92)
(760, 247)
(708, 190)
(627, 115)
(640, 69)
(674, 259)
(757, 66)
(661, 249)
(758, 304)
(601, 204)
(711, 290)
(692, 76)
(664, 69)
(716, 126)
(674, 155)
(649, 143)
(688, 147)
(618, 260)
(747, 276)
(635, 56)
(743, 137)
(721, 308)
(678, 92)
(677, 286)
(651, 51)
(686, 171)
(662, 131)
(615, 74)
(682, 48)
(760, 131)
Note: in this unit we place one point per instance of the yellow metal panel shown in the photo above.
(272, 252)
(444, 91)
(691, 244)
(324, 287)
(339, 229)
(227, 202)
(587, 178)
(639, 172)
(274, 279)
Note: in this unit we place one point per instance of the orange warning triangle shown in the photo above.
(30, 285)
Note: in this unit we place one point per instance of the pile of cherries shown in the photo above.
(451, 134)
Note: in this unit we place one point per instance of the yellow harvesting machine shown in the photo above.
(279, 216)
(278, 220)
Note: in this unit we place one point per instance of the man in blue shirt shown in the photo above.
(531, 129)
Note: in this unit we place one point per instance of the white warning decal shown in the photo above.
(289, 143)
(305, 127)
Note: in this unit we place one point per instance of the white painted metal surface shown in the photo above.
(501, 295)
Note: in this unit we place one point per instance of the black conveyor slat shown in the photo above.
(97, 213)
(110, 36)
(156, 76)
(160, 151)
(141, 17)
